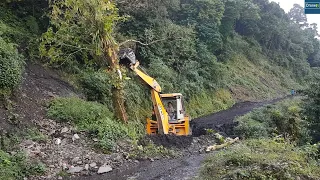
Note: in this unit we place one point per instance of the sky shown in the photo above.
(288, 4)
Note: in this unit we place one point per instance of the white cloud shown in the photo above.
(288, 4)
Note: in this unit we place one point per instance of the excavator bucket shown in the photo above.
(127, 57)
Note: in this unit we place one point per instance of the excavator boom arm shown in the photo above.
(162, 126)
(146, 78)
(160, 110)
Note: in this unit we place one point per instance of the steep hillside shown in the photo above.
(62, 87)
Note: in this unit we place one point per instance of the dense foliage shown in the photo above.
(11, 63)
(212, 40)
(312, 108)
(198, 52)
(284, 119)
(263, 159)
(17, 167)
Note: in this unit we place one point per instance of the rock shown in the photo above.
(93, 164)
(28, 143)
(59, 177)
(74, 160)
(75, 169)
(64, 130)
(86, 167)
(51, 94)
(57, 141)
(136, 161)
(104, 169)
(75, 137)
(84, 173)
(52, 132)
(51, 166)
(64, 166)
(79, 162)
(64, 141)
(95, 139)
(116, 157)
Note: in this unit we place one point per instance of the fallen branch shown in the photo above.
(220, 146)
(146, 44)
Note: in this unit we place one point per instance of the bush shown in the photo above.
(77, 110)
(17, 166)
(11, 65)
(262, 159)
(94, 118)
(97, 87)
(312, 108)
(283, 119)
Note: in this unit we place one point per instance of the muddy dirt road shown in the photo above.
(188, 166)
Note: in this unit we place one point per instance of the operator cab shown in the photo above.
(174, 106)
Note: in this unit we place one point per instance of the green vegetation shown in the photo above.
(312, 108)
(35, 135)
(218, 47)
(11, 64)
(223, 50)
(214, 52)
(97, 87)
(94, 118)
(214, 101)
(263, 159)
(277, 144)
(16, 166)
(284, 119)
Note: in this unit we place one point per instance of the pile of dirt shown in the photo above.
(169, 141)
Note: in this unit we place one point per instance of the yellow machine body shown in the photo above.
(161, 123)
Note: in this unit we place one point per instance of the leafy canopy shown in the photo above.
(79, 30)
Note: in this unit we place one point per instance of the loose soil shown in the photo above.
(39, 85)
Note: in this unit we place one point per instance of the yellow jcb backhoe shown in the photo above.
(169, 116)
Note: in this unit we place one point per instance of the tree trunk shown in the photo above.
(118, 102)
(117, 90)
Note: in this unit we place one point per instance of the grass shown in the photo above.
(258, 79)
(209, 102)
(263, 159)
(35, 135)
(17, 165)
(95, 119)
(284, 118)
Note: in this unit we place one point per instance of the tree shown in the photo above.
(312, 108)
(297, 15)
(82, 31)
